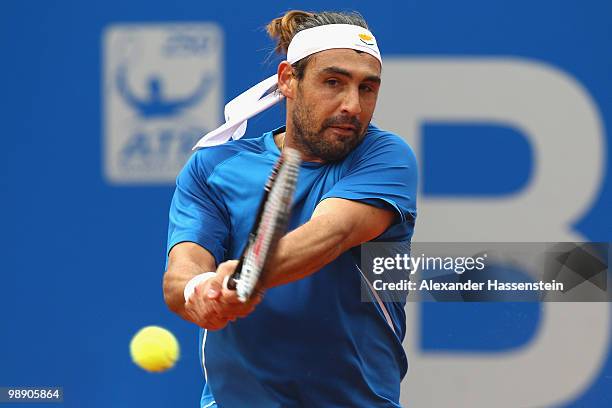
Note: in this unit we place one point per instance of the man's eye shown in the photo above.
(332, 82)
(366, 88)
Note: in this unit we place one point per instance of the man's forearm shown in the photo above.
(336, 226)
(185, 261)
(175, 280)
(305, 250)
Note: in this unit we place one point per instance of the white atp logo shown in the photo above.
(562, 123)
(162, 90)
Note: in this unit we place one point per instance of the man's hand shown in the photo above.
(212, 306)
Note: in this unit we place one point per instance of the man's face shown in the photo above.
(334, 102)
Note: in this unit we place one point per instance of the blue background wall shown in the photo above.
(83, 259)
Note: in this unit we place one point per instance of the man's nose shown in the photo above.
(351, 105)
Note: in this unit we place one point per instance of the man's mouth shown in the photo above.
(345, 128)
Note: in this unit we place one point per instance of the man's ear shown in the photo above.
(286, 80)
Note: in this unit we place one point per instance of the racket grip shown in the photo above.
(230, 283)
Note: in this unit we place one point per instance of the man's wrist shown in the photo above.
(195, 281)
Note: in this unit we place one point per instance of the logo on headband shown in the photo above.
(366, 39)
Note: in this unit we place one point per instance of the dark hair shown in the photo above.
(282, 29)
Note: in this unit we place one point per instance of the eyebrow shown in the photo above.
(344, 72)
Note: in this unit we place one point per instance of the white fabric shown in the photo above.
(238, 110)
(195, 281)
(332, 36)
(264, 95)
(379, 301)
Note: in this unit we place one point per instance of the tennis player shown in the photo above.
(309, 340)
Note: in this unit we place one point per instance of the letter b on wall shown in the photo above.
(560, 122)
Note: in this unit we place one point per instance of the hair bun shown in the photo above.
(282, 29)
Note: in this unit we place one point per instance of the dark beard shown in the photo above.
(313, 143)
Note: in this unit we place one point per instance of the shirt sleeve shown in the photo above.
(197, 213)
(382, 174)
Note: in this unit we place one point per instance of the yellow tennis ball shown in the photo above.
(154, 349)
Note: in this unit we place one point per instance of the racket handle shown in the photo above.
(230, 283)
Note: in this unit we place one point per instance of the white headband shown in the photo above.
(330, 36)
(260, 97)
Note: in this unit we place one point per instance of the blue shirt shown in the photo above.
(312, 342)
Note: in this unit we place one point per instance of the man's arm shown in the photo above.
(335, 226)
(185, 261)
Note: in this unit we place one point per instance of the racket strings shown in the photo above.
(273, 223)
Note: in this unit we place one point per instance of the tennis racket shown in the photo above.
(270, 224)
